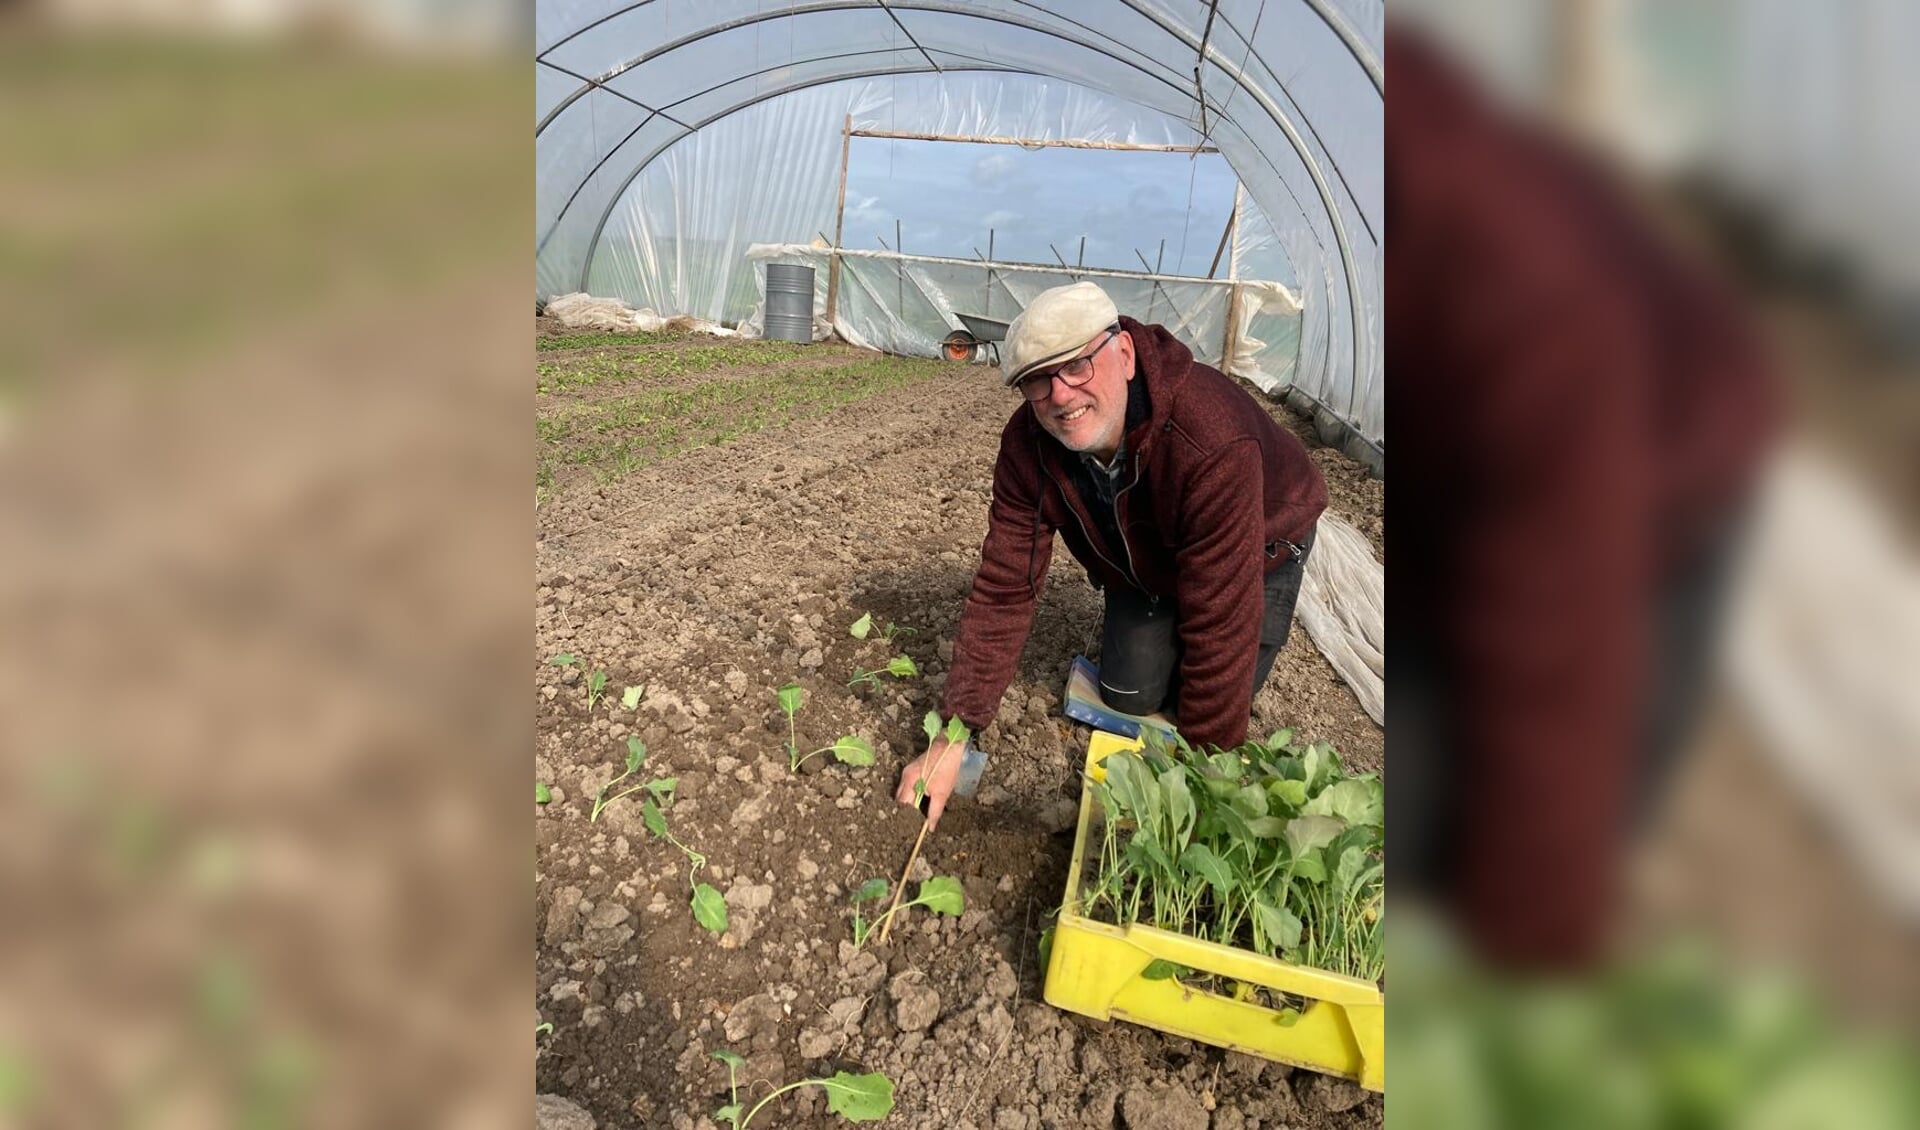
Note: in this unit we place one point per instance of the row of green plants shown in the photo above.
(548, 343)
(620, 435)
(582, 372)
(1270, 847)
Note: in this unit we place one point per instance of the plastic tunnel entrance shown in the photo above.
(680, 146)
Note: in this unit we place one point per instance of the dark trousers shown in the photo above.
(1140, 641)
(1686, 616)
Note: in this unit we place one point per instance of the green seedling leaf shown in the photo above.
(791, 697)
(655, 819)
(1200, 860)
(859, 1098)
(901, 667)
(636, 753)
(1160, 969)
(596, 683)
(631, 697)
(1267, 827)
(662, 789)
(729, 1058)
(1348, 869)
(1287, 1017)
(563, 660)
(1148, 855)
(710, 909)
(931, 724)
(1320, 763)
(861, 627)
(942, 895)
(728, 1113)
(1308, 832)
(860, 928)
(1250, 802)
(1281, 926)
(1311, 867)
(1360, 803)
(1293, 794)
(1179, 803)
(957, 731)
(871, 889)
(541, 793)
(1046, 948)
(543, 1028)
(1280, 739)
(853, 750)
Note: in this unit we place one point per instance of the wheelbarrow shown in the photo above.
(981, 338)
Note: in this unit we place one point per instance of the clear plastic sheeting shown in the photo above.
(1823, 640)
(1343, 606)
(610, 315)
(676, 235)
(907, 304)
(1289, 91)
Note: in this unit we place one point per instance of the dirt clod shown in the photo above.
(1327, 1093)
(915, 1003)
(1162, 1108)
(551, 1112)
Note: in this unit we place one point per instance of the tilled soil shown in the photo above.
(714, 578)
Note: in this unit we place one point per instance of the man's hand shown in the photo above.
(940, 768)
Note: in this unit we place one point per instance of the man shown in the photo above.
(1573, 517)
(1185, 502)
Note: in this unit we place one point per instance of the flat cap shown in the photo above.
(1057, 324)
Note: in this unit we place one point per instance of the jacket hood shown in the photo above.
(1163, 362)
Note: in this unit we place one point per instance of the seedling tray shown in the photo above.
(1096, 970)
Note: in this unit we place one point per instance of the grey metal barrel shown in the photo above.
(789, 302)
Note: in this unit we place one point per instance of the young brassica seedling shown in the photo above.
(957, 736)
(631, 697)
(596, 683)
(541, 793)
(791, 699)
(900, 667)
(661, 787)
(856, 1098)
(636, 754)
(564, 660)
(940, 894)
(851, 749)
(863, 627)
(709, 907)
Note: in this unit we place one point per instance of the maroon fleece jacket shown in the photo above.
(1587, 404)
(1210, 488)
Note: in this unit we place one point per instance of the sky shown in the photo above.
(946, 195)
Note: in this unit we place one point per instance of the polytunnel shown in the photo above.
(680, 146)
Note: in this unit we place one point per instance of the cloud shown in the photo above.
(865, 210)
(999, 218)
(992, 169)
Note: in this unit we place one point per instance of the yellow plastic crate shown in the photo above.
(1095, 970)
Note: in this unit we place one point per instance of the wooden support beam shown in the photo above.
(1036, 142)
(839, 225)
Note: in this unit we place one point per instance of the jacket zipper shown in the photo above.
(1120, 526)
(1082, 522)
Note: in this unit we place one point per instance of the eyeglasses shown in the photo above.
(1075, 373)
